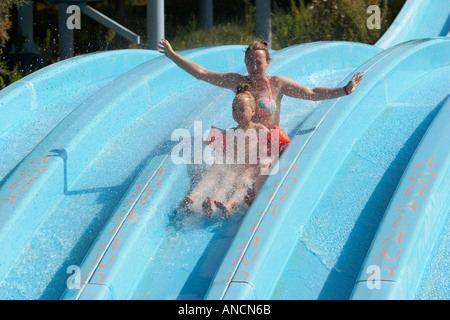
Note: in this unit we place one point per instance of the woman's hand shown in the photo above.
(165, 48)
(354, 82)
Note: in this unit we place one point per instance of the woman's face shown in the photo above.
(256, 62)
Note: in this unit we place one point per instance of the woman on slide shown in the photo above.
(267, 90)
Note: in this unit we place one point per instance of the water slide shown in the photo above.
(90, 194)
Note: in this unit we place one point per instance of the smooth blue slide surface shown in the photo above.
(33, 106)
(418, 19)
(90, 193)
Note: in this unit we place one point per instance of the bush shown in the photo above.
(6, 76)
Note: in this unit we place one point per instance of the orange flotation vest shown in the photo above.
(282, 140)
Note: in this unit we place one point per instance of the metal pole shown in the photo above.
(111, 24)
(65, 35)
(25, 19)
(206, 14)
(155, 22)
(263, 22)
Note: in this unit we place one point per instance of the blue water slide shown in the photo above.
(90, 195)
(306, 235)
(417, 19)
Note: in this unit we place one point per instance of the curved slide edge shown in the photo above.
(111, 271)
(39, 183)
(258, 255)
(412, 222)
(31, 107)
(417, 19)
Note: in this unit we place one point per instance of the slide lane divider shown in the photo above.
(126, 242)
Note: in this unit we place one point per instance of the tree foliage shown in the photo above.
(5, 24)
(327, 20)
(293, 22)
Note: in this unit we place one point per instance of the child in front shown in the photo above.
(228, 183)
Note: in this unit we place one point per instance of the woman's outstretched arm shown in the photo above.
(227, 80)
(293, 89)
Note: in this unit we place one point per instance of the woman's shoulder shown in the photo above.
(278, 81)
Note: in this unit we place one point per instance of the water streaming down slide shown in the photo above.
(100, 191)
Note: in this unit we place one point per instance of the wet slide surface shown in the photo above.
(88, 180)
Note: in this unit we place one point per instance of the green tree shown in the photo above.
(320, 20)
(5, 25)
